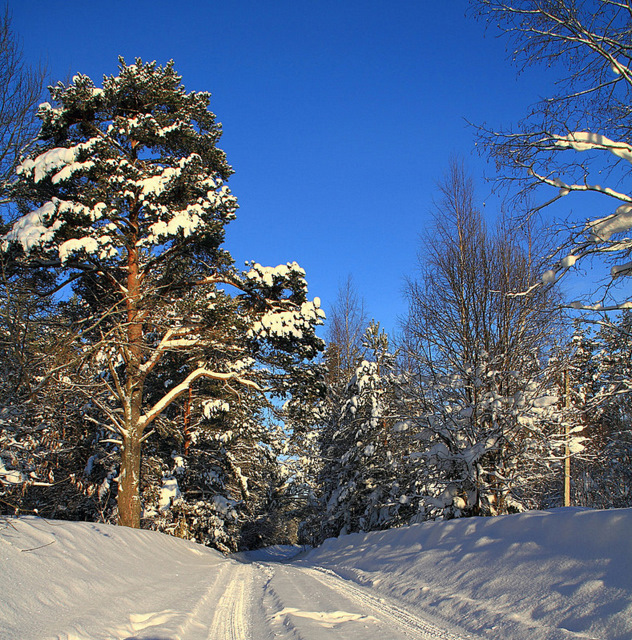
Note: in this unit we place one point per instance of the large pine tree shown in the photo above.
(124, 200)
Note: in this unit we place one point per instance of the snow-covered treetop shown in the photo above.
(275, 280)
(126, 184)
(132, 163)
(280, 324)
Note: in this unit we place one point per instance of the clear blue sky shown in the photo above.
(339, 116)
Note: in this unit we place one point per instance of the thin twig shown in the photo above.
(40, 547)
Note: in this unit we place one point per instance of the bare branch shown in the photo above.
(21, 88)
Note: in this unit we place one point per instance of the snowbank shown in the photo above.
(80, 580)
(565, 573)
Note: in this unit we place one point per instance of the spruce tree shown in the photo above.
(359, 480)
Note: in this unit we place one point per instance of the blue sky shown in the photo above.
(339, 117)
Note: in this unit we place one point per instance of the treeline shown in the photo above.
(489, 401)
(472, 409)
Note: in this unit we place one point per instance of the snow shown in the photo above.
(10, 476)
(215, 406)
(39, 228)
(77, 245)
(61, 161)
(169, 493)
(621, 269)
(48, 162)
(555, 575)
(549, 276)
(587, 141)
(326, 619)
(156, 184)
(187, 221)
(602, 229)
(289, 324)
(31, 230)
(269, 276)
(67, 172)
(80, 580)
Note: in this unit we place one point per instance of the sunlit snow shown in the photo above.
(557, 575)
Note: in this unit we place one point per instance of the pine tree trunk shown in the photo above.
(187, 423)
(129, 481)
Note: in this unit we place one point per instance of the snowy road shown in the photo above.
(311, 603)
(265, 600)
(84, 581)
(261, 600)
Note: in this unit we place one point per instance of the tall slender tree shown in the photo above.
(346, 323)
(21, 89)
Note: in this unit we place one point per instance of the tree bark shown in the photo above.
(129, 481)
(129, 506)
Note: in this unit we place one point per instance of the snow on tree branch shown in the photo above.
(148, 417)
(561, 143)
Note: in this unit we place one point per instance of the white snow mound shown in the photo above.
(81, 580)
(560, 574)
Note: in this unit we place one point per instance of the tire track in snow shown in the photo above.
(198, 620)
(188, 623)
(230, 618)
(408, 622)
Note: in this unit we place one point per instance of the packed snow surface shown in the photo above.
(562, 574)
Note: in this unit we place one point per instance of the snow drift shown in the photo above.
(80, 580)
(565, 573)
(557, 575)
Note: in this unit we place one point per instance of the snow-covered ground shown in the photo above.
(564, 574)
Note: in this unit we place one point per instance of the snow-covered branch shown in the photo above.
(185, 385)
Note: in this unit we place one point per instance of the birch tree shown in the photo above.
(578, 140)
(475, 353)
(124, 200)
(346, 323)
